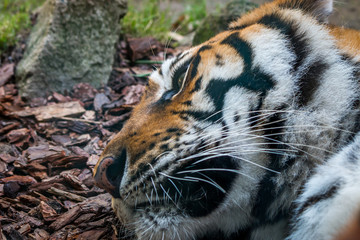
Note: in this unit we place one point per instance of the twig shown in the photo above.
(148, 62)
(65, 194)
(79, 120)
(141, 75)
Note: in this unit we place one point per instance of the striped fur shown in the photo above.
(331, 197)
(228, 132)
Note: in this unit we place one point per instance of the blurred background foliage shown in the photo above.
(15, 18)
(144, 18)
(154, 18)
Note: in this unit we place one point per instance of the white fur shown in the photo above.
(232, 67)
(273, 56)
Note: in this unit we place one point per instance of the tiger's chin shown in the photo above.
(168, 223)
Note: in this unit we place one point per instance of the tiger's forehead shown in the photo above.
(223, 57)
(215, 53)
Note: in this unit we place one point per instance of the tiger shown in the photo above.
(253, 134)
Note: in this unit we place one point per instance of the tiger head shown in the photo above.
(190, 159)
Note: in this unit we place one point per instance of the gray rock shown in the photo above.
(218, 22)
(72, 42)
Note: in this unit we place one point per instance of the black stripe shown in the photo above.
(171, 130)
(290, 30)
(317, 198)
(298, 41)
(310, 78)
(267, 193)
(240, 27)
(243, 48)
(197, 60)
(197, 85)
(251, 78)
(178, 58)
(255, 113)
(310, 82)
(214, 234)
(187, 103)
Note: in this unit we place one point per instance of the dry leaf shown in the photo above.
(53, 111)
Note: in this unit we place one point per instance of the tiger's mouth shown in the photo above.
(213, 179)
(194, 184)
(196, 188)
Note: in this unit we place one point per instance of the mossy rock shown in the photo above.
(218, 22)
(72, 42)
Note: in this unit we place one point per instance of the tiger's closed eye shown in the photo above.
(179, 77)
(181, 80)
(177, 85)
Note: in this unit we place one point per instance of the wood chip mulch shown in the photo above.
(49, 147)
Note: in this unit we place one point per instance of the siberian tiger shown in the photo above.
(250, 135)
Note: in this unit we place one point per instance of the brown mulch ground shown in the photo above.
(49, 146)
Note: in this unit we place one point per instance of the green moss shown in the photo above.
(14, 18)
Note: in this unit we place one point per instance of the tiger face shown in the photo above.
(227, 132)
(178, 159)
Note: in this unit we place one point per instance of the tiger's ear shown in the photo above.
(320, 9)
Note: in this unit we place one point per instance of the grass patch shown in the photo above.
(15, 18)
(146, 21)
(149, 20)
(194, 13)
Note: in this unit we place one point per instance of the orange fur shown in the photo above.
(352, 230)
(348, 40)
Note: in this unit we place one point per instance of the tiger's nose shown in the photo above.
(109, 172)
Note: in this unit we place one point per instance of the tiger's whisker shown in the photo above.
(215, 169)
